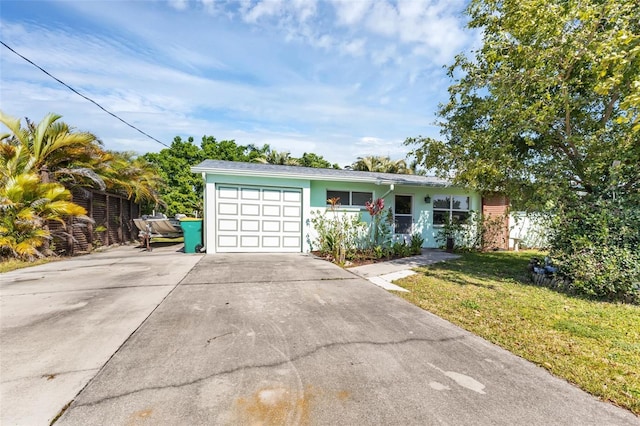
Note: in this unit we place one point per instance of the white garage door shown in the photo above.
(258, 219)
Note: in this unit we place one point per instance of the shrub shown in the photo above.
(603, 272)
(596, 243)
(416, 243)
(400, 249)
(338, 233)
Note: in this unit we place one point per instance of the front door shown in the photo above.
(403, 213)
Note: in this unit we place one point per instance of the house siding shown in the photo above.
(422, 212)
(314, 184)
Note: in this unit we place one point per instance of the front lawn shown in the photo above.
(595, 345)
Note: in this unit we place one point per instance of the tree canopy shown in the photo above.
(382, 164)
(549, 106)
(182, 192)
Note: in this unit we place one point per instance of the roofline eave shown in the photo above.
(364, 179)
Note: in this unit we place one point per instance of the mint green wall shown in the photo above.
(315, 198)
(422, 212)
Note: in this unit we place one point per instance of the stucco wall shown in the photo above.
(422, 212)
(314, 198)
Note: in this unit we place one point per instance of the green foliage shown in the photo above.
(596, 244)
(401, 249)
(451, 229)
(339, 233)
(548, 102)
(382, 164)
(477, 232)
(416, 243)
(548, 111)
(317, 161)
(182, 191)
(26, 205)
(58, 152)
(380, 231)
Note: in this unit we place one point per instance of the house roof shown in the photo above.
(297, 172)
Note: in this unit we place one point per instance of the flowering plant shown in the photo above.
(376, 207)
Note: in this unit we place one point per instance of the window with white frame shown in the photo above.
(456, 208)
(350, 198)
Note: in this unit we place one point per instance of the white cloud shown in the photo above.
(383, 19)
(383, 56)
(179, 4)
(264, 8)
(353, 47)
(351, 12)
(290, 10)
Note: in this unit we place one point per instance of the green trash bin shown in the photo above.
(192, 231)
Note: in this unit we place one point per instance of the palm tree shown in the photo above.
(26, 205)
(134, 176)
(32, 155)
(54, 149)
(271, 156)
(380, 164)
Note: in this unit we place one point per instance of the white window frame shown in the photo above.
(409, 215)
(350, 197)
(450, 210)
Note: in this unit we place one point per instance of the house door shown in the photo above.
(403, 213)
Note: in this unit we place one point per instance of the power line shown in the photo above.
(83, 96)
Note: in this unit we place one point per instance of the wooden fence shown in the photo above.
(113, 223)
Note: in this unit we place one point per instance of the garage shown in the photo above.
(258, 219)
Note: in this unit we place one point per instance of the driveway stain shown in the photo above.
(140, 417)
(275, 405)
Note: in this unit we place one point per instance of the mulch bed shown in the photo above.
(358, 261)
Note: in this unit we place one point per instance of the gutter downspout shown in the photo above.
(391, 188)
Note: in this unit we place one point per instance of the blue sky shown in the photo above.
(341, 79)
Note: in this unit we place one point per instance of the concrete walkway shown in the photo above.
(62, 321)
(383, 273)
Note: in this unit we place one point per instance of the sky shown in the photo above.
(339, 78)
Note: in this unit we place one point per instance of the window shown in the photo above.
(452, 207)
(350, 198)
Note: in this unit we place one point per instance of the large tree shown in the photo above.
(182, 189)
(53, 148)
(549, 106)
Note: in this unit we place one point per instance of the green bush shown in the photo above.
(596, 244)
(604, 272)
(339, 233)
(416, 243)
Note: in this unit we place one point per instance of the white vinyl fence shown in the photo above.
(528, 230)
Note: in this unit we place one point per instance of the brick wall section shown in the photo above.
(497, 205)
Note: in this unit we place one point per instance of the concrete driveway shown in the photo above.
(61, 322)
(290, 339)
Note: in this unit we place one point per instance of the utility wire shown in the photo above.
(83, 96)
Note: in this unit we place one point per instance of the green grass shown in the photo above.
(7, 265)
(594, 344)
(167, 240)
